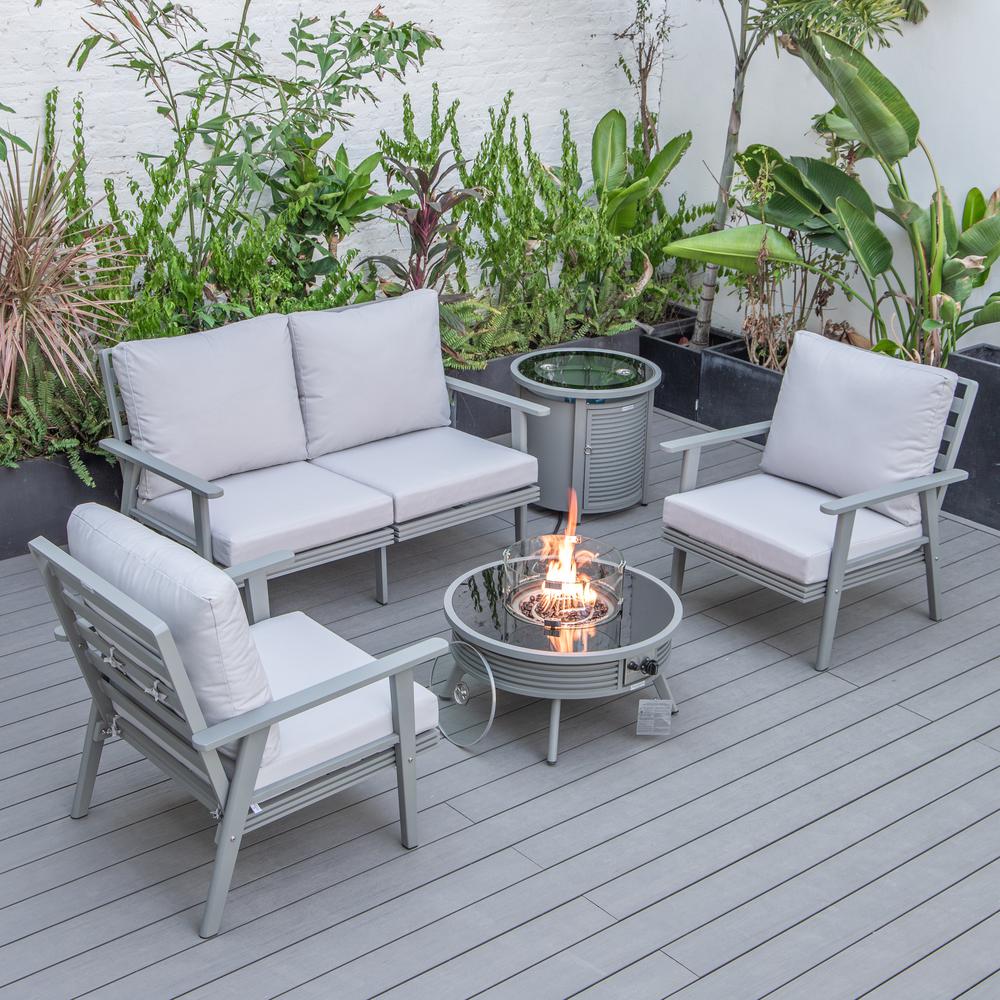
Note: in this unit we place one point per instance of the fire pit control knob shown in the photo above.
(649, 666)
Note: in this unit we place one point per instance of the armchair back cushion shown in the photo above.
(197, 601)
(849, 420)
(370, 372)
(213, 403)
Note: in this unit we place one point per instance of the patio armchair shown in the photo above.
(256, 720)
(859, 453)
(324, 433)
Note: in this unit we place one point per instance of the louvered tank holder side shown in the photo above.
(615, 454)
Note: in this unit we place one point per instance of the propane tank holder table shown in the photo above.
(596, 436)
(623, 647)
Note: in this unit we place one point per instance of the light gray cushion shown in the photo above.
(371, 372)
(197, 601)
(213, 403)
(849, 420)
(287, 507)
(430, 471)
(298, 652)
(777, 524)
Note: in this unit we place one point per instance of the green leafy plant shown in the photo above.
(321, 199)
(559, 258)
(10, 138)
(751, 23)
(238, 119)
(950, 255)
(421, 150)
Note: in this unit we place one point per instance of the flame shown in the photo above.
(568, 587)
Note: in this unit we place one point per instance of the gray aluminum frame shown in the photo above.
(843, 572)
(134, 461)
(140, 691)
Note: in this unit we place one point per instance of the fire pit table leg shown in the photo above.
(663, 690)
(554, 709)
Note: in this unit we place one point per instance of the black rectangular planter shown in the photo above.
(681, 365)
(978, 498)
(36, 499)
(735, 391)
(486, 420)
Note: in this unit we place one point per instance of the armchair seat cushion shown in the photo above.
(432, 470)
(298, 652)
(777, 524)
(287, 507)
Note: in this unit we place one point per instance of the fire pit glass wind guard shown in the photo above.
(563, 582)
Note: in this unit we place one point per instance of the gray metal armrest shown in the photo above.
(252, 576)
(500, 398)
(690, 448)
(135, 460)
(266, 716)
(189, 481)
(709, 438)
(907, 487)
(520, 409)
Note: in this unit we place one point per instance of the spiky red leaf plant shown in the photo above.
(59, 278)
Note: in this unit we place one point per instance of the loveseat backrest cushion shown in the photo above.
(849, 420)
(197, 601)
(369, 373)
(214, 403)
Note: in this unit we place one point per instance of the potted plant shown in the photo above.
(59, 284)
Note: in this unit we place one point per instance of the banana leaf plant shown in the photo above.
(950, 256)
(620, 187)
(321, 199)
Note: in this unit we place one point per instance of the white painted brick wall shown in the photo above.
(552, 53)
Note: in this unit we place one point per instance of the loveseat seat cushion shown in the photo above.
(298, 652)
(430, 471)
(197, 601)
(286, 507)
(849, 420)
(777, 524)
(369, 372)
(213, 403)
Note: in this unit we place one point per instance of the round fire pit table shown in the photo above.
(596, 436)
(626, 650)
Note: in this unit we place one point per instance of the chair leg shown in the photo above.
(230, 832)
(404, 724)
(677, 571)
(929, 514)
(831, 608)
(834, 588)
(382, 575)
(93, 746)
(521, 522)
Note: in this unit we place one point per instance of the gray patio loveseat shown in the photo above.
(321, 433)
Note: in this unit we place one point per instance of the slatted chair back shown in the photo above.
(958, 421)
(116, 408)
(132, 667)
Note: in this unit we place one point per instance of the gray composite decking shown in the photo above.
(799, 834)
